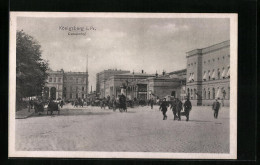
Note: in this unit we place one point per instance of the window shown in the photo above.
(82, 88)
(82, 80)
(204, 62)
(50, 79)
(208, 61)
(208, 93)
(82, 96)
(76, 95)
(191, 64)
(195, 93)
(77, 80)
(71, 88)
(188, 64)
(209, 74)
(71, 78)
(64, 89)
(218, 58)
(71, 95)
(54, 79)
(213, 59)
(76, 89)
(218, 73)
(213, 93)
(59, 80)
(223, 57)
(191, 94)
(205, 94)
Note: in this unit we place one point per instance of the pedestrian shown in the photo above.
(187, 108)
(61, 103)
(151, 102)
(173, 107)
(163, 108)
(222, 102)
(178, 108)
(215, 107)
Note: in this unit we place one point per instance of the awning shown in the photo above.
(228, 73)
(205, 76)
(224, 73)
(192, 76)
(213, 75)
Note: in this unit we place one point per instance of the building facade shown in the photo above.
(101, 79)
(208, 74)
(66, 85)
(128, 82)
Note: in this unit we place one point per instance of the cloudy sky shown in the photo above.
(123, 43)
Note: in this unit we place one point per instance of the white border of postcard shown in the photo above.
(147, 155)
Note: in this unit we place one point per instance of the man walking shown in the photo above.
(215, 107)
(187, 108)
(178, 108)
(173, 107)
(151, 102)
(163, 108)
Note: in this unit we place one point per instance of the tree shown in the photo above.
(30, 67)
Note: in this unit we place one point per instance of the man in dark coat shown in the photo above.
(163, 108)
(187, 108)
(173, 107)
(215, 107)
(178, 108)
(122, 101)
(151, 102)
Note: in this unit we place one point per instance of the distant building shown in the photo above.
(119, 83)
(208, 74)
(101, 78)
(66, 85)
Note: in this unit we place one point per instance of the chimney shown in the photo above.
(163, 73)
(156, 74)
(142, 71)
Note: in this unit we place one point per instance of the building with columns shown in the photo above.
(102, 77)
(66, 85)
(208, 74)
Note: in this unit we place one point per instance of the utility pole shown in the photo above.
(87, 77)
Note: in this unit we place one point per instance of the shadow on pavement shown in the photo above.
(200, 121)
(69, 113)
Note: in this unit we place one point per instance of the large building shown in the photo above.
(102, 77)
(115, 83)
(208, 73)
(66, 85)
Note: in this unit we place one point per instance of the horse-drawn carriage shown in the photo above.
(53, 106)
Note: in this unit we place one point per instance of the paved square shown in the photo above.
(139, 130)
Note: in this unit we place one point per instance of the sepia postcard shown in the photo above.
(123, 85)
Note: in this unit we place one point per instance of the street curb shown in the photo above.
(25, 116)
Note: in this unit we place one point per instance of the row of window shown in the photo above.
(70, 96)
(65, 88)
(213, 60)
(77, 79)
(60, 79)
(218, 74)
(218, 93)
(212, 75)
(54, 79)
(210, 93)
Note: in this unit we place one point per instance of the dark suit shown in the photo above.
(163, 108)
(187, 109)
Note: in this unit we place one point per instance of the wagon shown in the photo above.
(38, 106)
(53, 107)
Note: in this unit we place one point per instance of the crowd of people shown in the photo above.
(122, 102)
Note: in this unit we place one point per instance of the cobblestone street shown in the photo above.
(139, 130)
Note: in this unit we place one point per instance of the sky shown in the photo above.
(135, 44)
